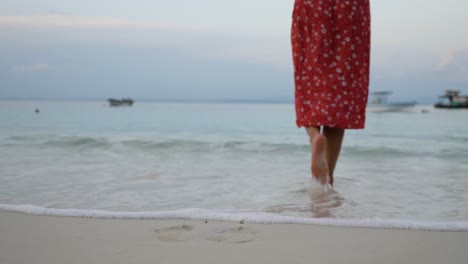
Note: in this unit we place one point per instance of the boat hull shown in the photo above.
(123, 102)
(446, 106)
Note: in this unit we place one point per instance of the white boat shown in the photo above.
(380, 104)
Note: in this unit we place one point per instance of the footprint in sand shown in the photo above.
(233, 235)
(174, 233)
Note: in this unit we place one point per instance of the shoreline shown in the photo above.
(50, 239)
(252, 217)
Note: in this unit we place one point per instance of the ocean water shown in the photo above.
(229, 162)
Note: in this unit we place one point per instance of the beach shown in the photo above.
(162, 132)
(47, 239)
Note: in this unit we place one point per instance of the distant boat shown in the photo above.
(121, 102)
(380, 104)
(456, 101)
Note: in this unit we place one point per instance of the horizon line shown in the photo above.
(150, 100)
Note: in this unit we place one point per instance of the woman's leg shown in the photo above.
(334, 138)
(319, 166)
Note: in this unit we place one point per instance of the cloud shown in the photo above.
(454, 64)
(38, 67)
(71, 21)
(203, 43)
(58, 12)
(272, 51)
(446, 59)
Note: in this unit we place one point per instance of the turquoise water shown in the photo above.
(173, 156)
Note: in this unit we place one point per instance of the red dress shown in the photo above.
(331, 53)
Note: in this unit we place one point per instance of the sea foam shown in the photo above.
(241, 215)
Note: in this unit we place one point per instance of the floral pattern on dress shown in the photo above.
(331, 55)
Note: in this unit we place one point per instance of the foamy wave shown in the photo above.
(59, 141)
(74, 142)
(238, 215)
(106, 143)
(371, 151)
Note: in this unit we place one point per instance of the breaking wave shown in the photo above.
(249, 216)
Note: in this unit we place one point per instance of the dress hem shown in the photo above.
(300, 125)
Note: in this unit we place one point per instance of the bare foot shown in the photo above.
(319, 164)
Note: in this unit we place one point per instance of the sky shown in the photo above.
(207, 50)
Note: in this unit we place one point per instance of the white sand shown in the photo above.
(28, 239)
